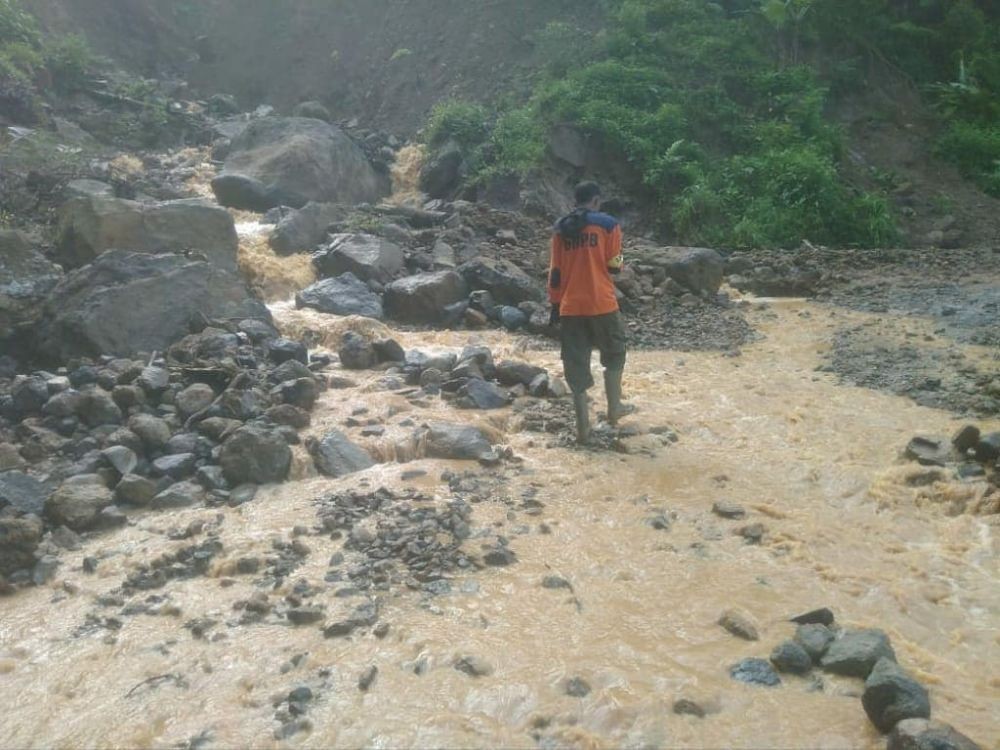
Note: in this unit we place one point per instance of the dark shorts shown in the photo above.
(581, 335)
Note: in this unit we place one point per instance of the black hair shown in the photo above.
(586, 192)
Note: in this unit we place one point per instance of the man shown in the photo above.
(586, 252)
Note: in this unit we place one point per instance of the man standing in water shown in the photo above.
(586, 252)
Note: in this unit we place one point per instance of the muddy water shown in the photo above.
(813, 461)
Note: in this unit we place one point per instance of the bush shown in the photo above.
(975, 149)
(69, 60)
(17, 26)
(517, 143)
(464, 122)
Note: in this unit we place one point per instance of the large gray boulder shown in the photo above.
(19, 537)
(366, 256)
(78, 502)
(455, 441)
(336, 456)
(508, 284)
(423, 298)
(26, 278)
(344, 295)
(698, 269)
(302, 160)
(856, 653)
(301, 231)
(127, 302)
(89, 226)
(22, 492)
(255, 456)
(923, 734)
(891, 696)
(442, 174)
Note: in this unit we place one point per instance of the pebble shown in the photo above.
(577, 687)
(726, 509)
(755, 672)
(739, 624)
(367, 678)
(473, 666)
(687, 707)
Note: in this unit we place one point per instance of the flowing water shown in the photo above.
(848, 527)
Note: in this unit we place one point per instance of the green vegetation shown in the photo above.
(720, 109)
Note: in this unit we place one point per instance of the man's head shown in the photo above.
(588, 195)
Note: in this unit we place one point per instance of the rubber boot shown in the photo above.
(613, 390)
(581, 405)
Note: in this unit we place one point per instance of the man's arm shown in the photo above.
(613, 252)
(555, 271)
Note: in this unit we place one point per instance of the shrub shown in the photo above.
(69, 59)
(464, 122)
(517, 143)
(16, 25)
(975, 149)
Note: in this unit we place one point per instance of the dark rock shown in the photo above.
(26, 278)
(687, 707)
(136, 490)
(755, 672)
(473, 666)
(921, 734)
(242, 495)
(511, 373)
(500, 557)
(22, 492)
(29, 395)
(752, 533)
(19, 537)
(929, 451)
(193, 399)
(124, 460)
(556, 582)
(344, 295)
(422, 298)
(152, 431)
(356, 352)
(176, 467)
(891, 696)
(97, 408)
(180, 495)
(442, 173)
(453, 441)
(252, 455)
(389, 350)
(282, 350)
(336, 456)
(699, 270)
(78, 502)
(305, 615)
(289, 415)
(822, 616)
(300, 694)
(126, 302)
(478, 394)
(791, 657)
(211, 478)
(301, 393)
(507, 283)
(966, 438)
(815, 639)
(988, 448)
(367, 678)
(248, 194)
(301, 231)
(364, 616)
(45, 570)
(365, 256)
(739, 624)
(725, 509)
(856, 652)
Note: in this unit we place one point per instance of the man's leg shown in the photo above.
(613, 344)
(576, 349)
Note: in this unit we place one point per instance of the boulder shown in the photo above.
(755, 672)
(180, 495)
(930, 451)
(136, 490)
(507, 283)
(78, 502)
(91, 226)
(313, 110)
(922, 734)
(569, 145)
(344, 295)
(443, 172)
(857, 652)
(302, 160)
(19, 537)
(336, 456)
(255, 456)
(891, 696)
(194, 399)
(301, 393)
(153, 432)
(26, 278)
(22, 492)
(423, 298)
(988, 448)
(511, 372)
(248, 194)
(128, 302)
(698, 269)
(87, 189)
(357, 353)
(791, 657)
(815, 639)
(301, 231)
(368, 257)
(478, 394)
(454, 441)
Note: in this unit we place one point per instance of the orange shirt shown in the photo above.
(579, 279)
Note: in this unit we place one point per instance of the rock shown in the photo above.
(474, 666)
(305, 615)
(478, 394)
(988, 448)
(577, 687)
(336, 456)
(356, 352)
(822, 616)
(367, 678)
(78, 502)
(752, 533)
(928, 451)
(344, 295)
(687, 707)
(726, 509)
(91, 226)
(966, 438)
(389, 350)
(511, 373)
(281, 350)
(19, 537)
(128, 302)
(856, 652)
(699, 270)
(289, 415)
(791, 657)
(124, 460)
(22, 492)
(739, 624)
(815, 639)
(301, 393)
(453, 441)
(443, 255)
(507, 283)
(152, 431)
(368, 257)
(423, 298)
(255, 456)
(180, 495)
(45, 570)
(154, 380)
(194, 399)
(26, 278)
(364, 616)
(87, 189)
(442, 173)
(500, 557)
(313, 110)
(568, 145)
(921, 734)
(176, 467)
(891, 696)
(300, 694)
(136, 490)
(97, 408)
(10, 460)
(30, 395)
(755, 672)
(297, 160)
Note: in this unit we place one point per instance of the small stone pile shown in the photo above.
(205, 423)
(970, 453)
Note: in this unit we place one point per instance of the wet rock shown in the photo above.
(966, 438)
(10, 460)
(929, 451)
(152, 431)
(822, 616)
(219, 428)
(242, 495)
(755, 672)
(289, 415)
(45, 570)
(176, 467)
(96, 408)
(78, 502)
(577, 687)
(556, 582)
(255, 456)
(367, 678)
(687, 707)
(478, 394)
(422, 298)
(301, 393)
(90, 226)
(19, 537)
(305, 615)
(193, 399)
(356, 352)
(988, 448)
(22, 492)
(180, 495)
(474, 666)
(30, 395)
(281, 350)
(154, 380)
(726, 509)
(815, 639)
(300, 160)
(507, 284)
(301, 231)
(126, 302)
(211, 478)
(136, 490)
(336, 456)
(699, 270)
(26, 278)
(500, 557)
(453, 441)
(343, 295)
(753, 533)
(364, 616)
(856, 652)
(891, 696)
(922, 734)
(791, 657)
(441, 174)
(367, 257)
(511, 373)
(739, 624)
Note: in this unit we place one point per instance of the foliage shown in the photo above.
(975, 149)
(69, 59)
(16, 25)
(463, 122)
